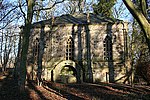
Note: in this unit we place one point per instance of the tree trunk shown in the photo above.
(25, 45)
(40, 55)
(24, 52)
(17, 60)
(141, 19)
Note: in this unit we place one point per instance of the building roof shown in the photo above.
(77, 19)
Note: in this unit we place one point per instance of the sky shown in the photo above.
(124, 16)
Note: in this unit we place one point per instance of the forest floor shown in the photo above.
(85, 91)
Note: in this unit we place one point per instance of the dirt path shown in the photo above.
(9, 91)
(55, 91)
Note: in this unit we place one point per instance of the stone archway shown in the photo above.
(65, 72)
(68, 74)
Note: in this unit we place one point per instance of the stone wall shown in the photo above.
(89, 49)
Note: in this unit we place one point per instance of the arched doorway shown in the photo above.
(65, 72)
(68, 74)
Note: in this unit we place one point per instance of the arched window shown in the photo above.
(107, 48)
(70, 49)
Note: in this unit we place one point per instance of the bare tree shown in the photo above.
(139, 12)
(119, 9)
(77, 6)
(28, 19)
(8, 19)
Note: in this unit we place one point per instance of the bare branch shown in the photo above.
(8, 13)
(57, 2)
(8, 22)
(20, 6)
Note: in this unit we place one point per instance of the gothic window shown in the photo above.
(69, 49)
(55, 44)
(107, 44)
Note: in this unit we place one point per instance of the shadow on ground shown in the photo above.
(9, 89)
(54, 91)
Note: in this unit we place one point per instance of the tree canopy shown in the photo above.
(104, 7)
(139, 11)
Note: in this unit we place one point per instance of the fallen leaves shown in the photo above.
(84, 91)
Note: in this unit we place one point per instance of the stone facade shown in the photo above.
(79, 48)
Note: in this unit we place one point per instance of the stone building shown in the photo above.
(79, 48)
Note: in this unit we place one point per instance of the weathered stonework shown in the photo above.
(86, 51)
